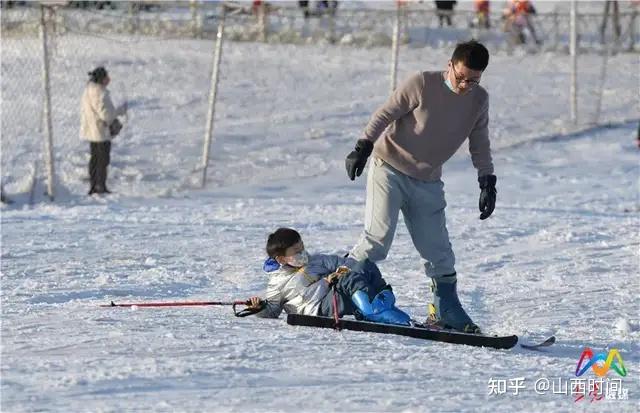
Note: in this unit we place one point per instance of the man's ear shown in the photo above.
(280, 259)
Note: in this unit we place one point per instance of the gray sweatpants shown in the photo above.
(422, 203)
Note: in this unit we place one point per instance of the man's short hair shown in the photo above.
(279, 241)
(472, 54)
(98, 74)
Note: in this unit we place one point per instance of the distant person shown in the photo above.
(518, 17)
(321, 284)
(481, 18)
(99, 125)
(304, 6)
(102, 4)
(327, 7)
(422, 124)
(259, 7)
(11, 4)
(444, 11)
(97, 4)
(322, 8)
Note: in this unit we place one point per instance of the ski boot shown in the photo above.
(381, 309)
(446, 310)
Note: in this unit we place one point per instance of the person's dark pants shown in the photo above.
(100, 158)
(442, 18)
(366, 277)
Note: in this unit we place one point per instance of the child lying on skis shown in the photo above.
(306, 284)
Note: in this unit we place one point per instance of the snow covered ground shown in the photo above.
(560, 254)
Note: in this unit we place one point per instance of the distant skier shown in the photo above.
(428, 117)
(320, 284)
(482, 14)
(99, 124)
(518, 16)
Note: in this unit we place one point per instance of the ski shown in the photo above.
(426, 333)
(547, 343)
(533, 346)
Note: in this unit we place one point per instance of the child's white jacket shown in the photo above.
(299, 290)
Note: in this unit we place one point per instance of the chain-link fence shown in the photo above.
(156, 107)
(283, 21)
(22, 101)
(160, 56)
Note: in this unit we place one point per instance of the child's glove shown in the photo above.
(340, 271)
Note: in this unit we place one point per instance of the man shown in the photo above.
(429, 117)
(98, 120)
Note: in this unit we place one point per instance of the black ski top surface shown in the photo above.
(426, 333)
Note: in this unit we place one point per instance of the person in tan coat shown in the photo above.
(98, 120)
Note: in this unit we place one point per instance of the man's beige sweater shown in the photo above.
(427, 124)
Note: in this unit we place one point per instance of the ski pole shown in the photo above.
(242, 313)
(173, 303)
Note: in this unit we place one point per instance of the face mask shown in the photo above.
(299, 260)
(448, 83)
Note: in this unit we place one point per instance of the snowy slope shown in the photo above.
(560, 255)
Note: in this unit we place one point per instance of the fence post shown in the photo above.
(48, 141)
(332, 26)
(132, 18)
(556, 28)
(196, 19)
(601, 81)
(395, 41)
(212, 95)
(262, 21)
(632, 27)
(573, 50)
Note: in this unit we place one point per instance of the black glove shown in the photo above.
(487, 201)
(357, 159)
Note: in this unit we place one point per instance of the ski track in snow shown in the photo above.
(560, 255)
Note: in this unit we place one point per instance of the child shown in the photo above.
(301, 283)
